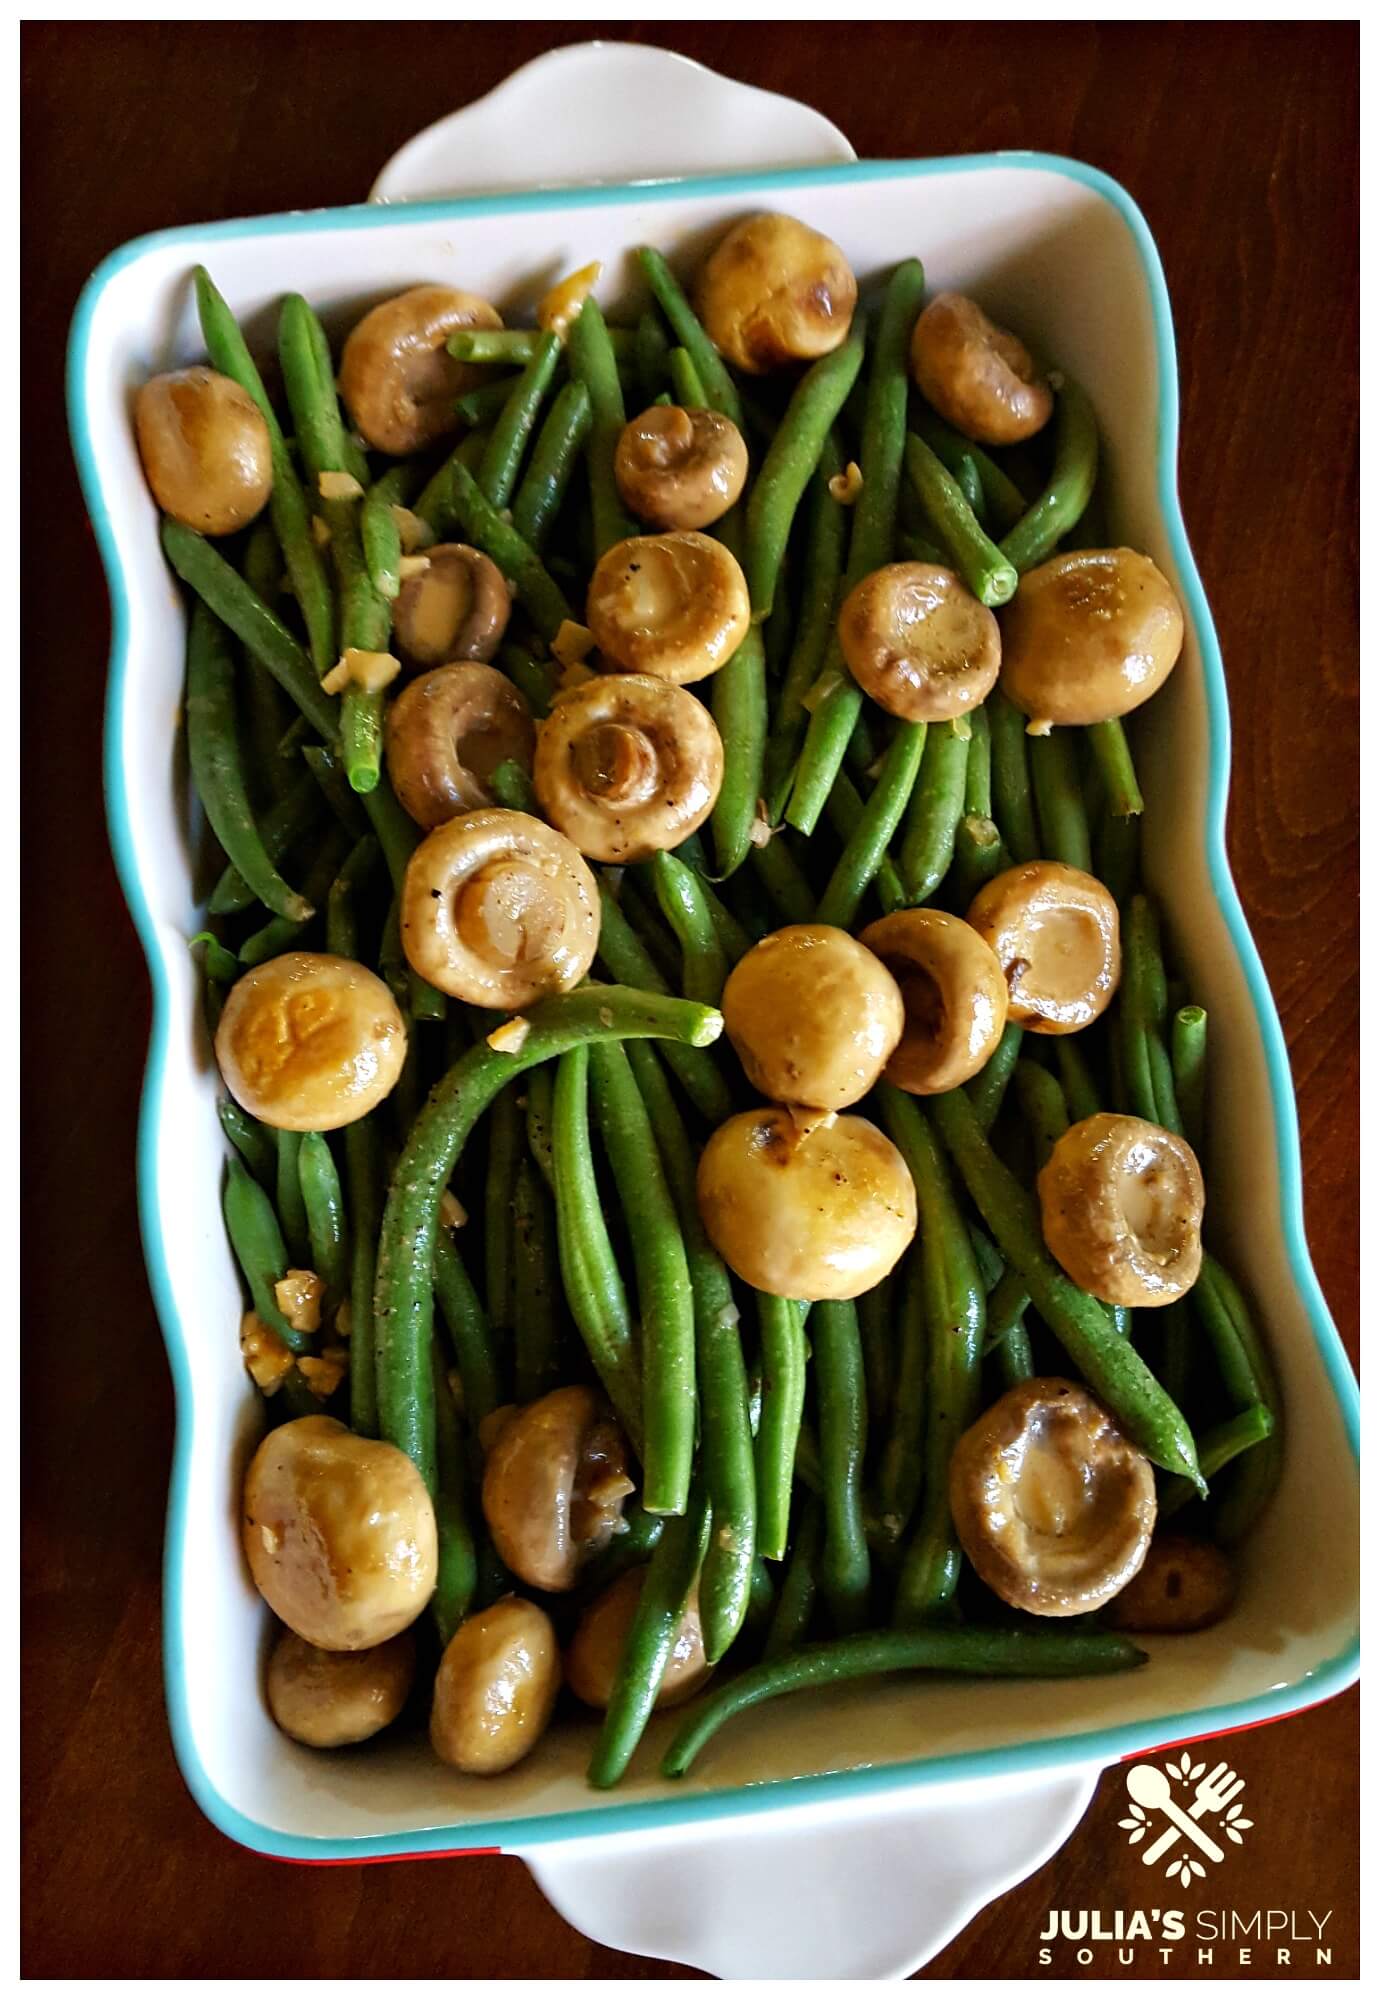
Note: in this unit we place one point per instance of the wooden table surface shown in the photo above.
(1239, 143)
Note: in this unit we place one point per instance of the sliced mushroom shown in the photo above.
(775, 291)
(309, 1042)
(446, 734)
(627, 765)
(328, 1699)
(1121, 1202)
(1057, 936)
(671, 605)
(954, 994)
(918, 641)
(1183, 1585)
(498, 908)
(555, 1481)
(1053, 1505)
(495, 1688)
(593, 1656)
(820, 1210)
(205, 449)
(397, 380)
(457, 608)
(813, 1015)
(977, 374)
(680, 468)
(1089, 636)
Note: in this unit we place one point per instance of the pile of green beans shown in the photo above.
(515, 1219)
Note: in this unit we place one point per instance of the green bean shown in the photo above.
(380, 536)
(795, 1605)
(736, 937)
(328, 771)
(686, 386)
(644, 914)
(1242, 1362)
(666, 1306)
(471, 1337)
(1003, 499)
(1217, 1448)
(977, 772)
(309, 379)
(1142, 1007)
(718, 383)
(541, 1088)
(1012, 803)
(207, 572)
(505, 1150)
(1043, 1105)
(254, 1142)
(592, 362)
(780, 874)
(536, 1318)
(876, 1310)
(846, 809)
(292, 1210)
(1072, 478)
(1111, 1367)
(398, 837)
(652, 349)
(825, 531)
(979, 855)
(589, 1267)
(559, 444)
(738, 702)
(509, 346)
(324, 1203)
(987, 1651)
(666, 1589)
(626, 959)
(257, 1242)
(1118, 854)
(1059, 798)
(1113, 754)
(434, 504)
(261, 699)
(685, 907)
(725, 1424)
(279, 933)
(628, 1550)
(1006, 1328)
(539, 594)
(988, 1088)
(845, 1567)
(499, 467)
(1188, 1053)
(936, 807)
(782, 1334)
(970, 486)
(761, 1608)
(480, 406)
(213, 750)
(535, 680)
(512, 786)
(870, 543)
(287, 504)
(457, 1568)
(1080, 1092)
(865, 849)
(988, 573)
(790, 463)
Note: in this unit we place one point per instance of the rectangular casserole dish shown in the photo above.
(1060, 252)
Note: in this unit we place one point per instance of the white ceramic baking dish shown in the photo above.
(1061, 252)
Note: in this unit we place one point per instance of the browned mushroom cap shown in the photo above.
(446, 733)
(1057, 935)
(205, 449)
(455, 609)
(954, 994)
(495, 1688)
(593, 1656)
(328, 1699)
(680, 468)
(498, 908)
(977, 374)
(1183, 1585)
(918, 641)
(309, 1042)
(555, 1481)
(398, 382)
(1121, 1202)
(775, 291)
(627, 765)
(813, 1016)
(1053, 1506)
(671, 605)
(1088, 636)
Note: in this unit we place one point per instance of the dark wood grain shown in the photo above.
(1239, 142)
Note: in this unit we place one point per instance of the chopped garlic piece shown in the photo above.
(271, 1539)
(338, 1356)
(409, 566)
(563, 301)
(371, 671)
(267, 1355)
(451, 1215)
(322, 1377)
(320, 533)
(338, 486)
(413, 532)
(299, 1300)
(1038, 725)
(572, 644)
(806, 1120)
(761, 833)
(963, 729)
(821, 691)
(509, 1036)
(575, 675)
(848, 484)
(344, 1320)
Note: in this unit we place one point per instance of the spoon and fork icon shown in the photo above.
(1150, 1787)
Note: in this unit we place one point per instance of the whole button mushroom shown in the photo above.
(594, 1654)
(326, 1699)
(495, 1688)
(977, 374)
(397, 380)
(309, 1042)
(627, 765)
(954, 994)
(1054, 1507)
(1057, 937)
(774, 291)
(1183, 1585)
(447, 733)
(813, 1015)
(498, 909)
(1121, 1204)
(917, 640)
(672, 605)
(205, 449)
(680, 468)
(819, 1210)
(339, 1533)
(554, 1485)
(1089, 636)
(457, 608)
